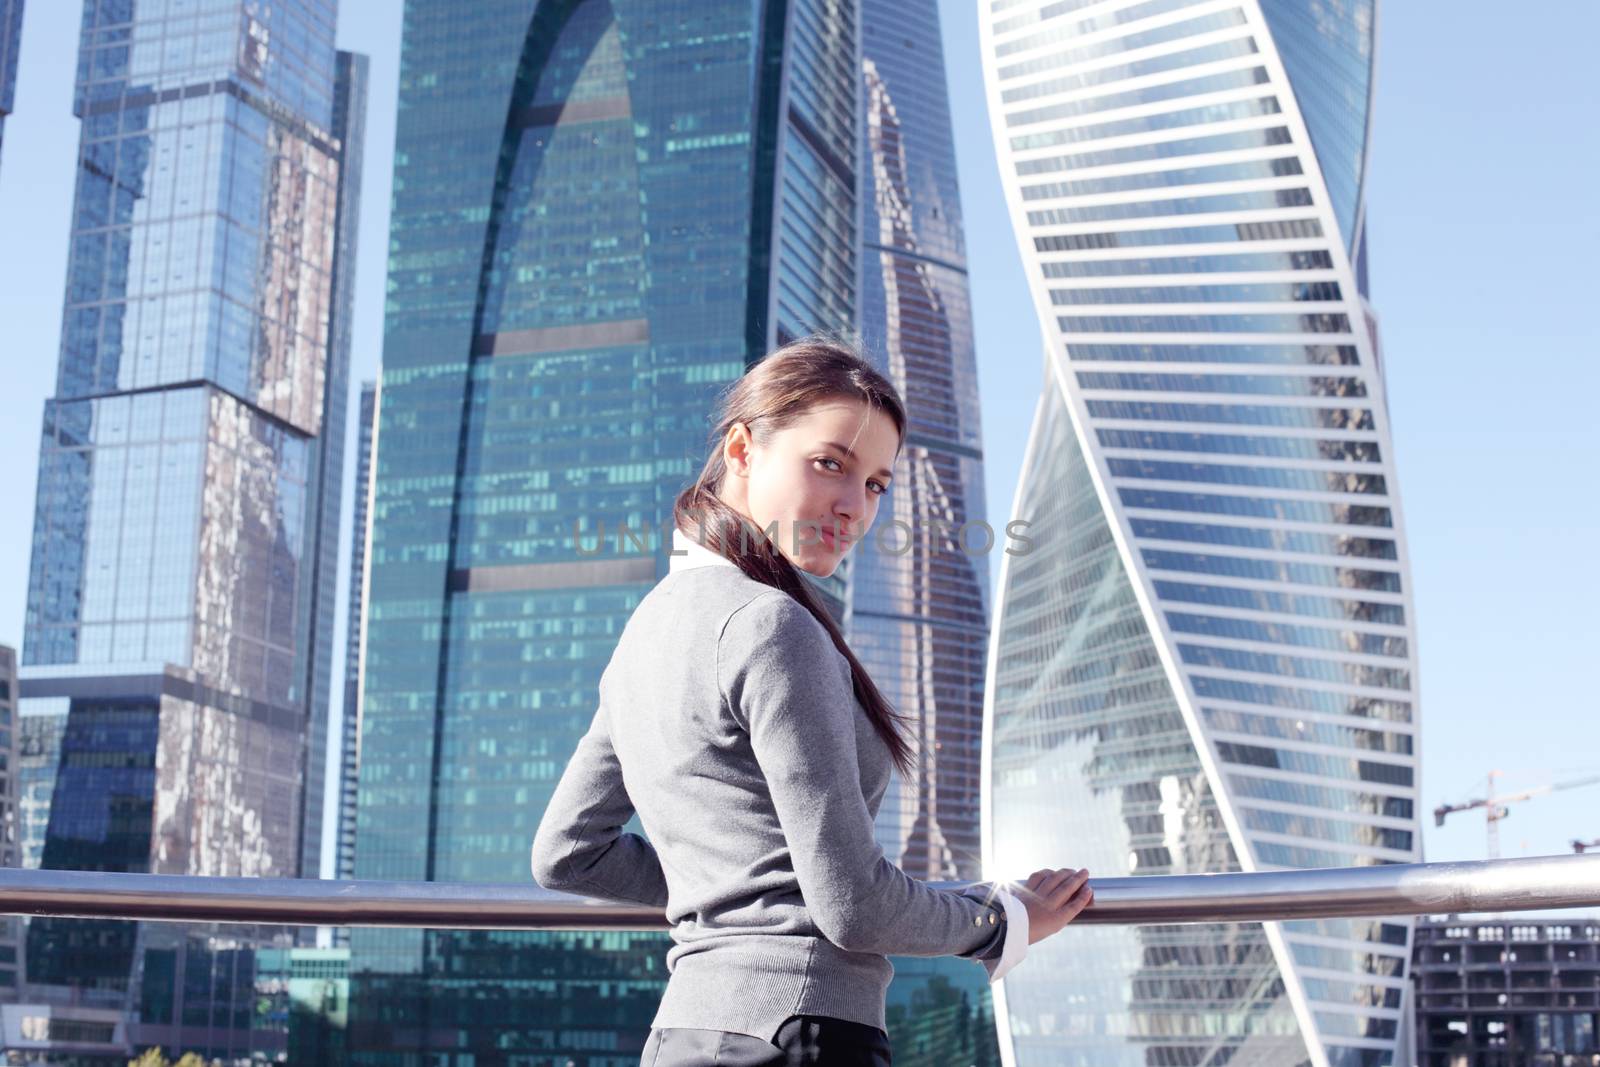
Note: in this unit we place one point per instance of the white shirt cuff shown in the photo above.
(1016, 943)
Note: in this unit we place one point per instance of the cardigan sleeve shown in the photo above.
(787, 685)
(1013, 946)
(579, 846)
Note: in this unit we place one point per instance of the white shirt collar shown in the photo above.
(698, 554)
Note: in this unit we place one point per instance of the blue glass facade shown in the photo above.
(10, 817)
(304, 997)
(1327, 53)
(182, 579)
(814, 243)
(39, 726)
(1233, 686)
(603, 212)
(315, 651)
(355, 604)
(10, 47)
(919, 617)
(592, 209)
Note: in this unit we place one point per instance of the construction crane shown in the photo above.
(1495, 807)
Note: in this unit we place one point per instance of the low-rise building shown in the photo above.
(1507, 991)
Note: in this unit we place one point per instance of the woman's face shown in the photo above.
(826, 470)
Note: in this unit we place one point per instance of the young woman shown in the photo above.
(756, 750)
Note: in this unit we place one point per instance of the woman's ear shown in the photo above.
(736, 450)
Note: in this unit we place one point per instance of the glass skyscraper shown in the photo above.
(182, 582)
(10, 816)
(919, 591)
(38, 729)
(10, 48)
(355, 603)
(350, 133)
(603, 211)
(1205, 660)
(919, 617)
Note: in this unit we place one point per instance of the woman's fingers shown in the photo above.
(1062, 890)
(1055, 886)
(1050, 885)
(1080, 900)
(1045, 879)
(1054, 898)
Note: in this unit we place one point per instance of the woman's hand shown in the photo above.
(1053, 899)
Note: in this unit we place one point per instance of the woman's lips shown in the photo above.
(832, 542)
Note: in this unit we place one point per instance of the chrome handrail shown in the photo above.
(1523, 884)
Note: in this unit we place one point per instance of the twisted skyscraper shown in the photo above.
(1206, 662)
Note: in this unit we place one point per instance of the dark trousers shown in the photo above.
(802, 1041)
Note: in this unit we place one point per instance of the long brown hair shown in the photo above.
(773, 393)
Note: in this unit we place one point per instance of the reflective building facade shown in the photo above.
(10, 47)
(350, 133)
(920, 603)
(603, 211)
(303, 996)
(182, 581)
(38, 729)
(919, 591)
(10, 817)
(1205, 659)
(355, 601)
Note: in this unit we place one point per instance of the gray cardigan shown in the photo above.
(726, 717)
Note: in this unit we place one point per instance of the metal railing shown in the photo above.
(1534, 883)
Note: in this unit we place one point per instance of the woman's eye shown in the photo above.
(879, 491)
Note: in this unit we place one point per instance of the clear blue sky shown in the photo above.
(1482, 229)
